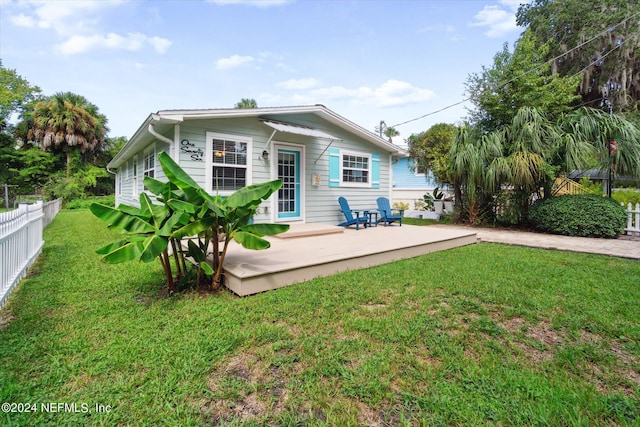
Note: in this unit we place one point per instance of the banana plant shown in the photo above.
(148, 233)
(218, 219)
(187, 211)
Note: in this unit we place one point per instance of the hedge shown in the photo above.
(585, 215)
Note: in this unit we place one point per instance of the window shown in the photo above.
(229, 169)
(353, 169)
(149, 162)
(134, 169)
(421, 170)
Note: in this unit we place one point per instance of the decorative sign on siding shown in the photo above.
(197, 155)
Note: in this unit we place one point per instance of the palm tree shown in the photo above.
(67, 122)
(390, 132)
(474, 166)
(246, 103)
(532, 151)
(596, 129)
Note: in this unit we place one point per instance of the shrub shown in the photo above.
(86, 202)
(626, 195)
(585, 215)
(401, 206)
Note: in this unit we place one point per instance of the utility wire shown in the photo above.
(536, 68)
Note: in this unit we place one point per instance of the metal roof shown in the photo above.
(299, 130)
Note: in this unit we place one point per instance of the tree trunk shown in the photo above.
(217, 277)
(176, 258)
(166, 264)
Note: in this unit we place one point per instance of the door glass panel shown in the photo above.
(287, 194)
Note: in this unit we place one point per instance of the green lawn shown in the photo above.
(481, 335)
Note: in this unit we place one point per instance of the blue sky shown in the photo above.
(366, 60)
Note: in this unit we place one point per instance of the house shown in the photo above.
(318, 155)
(410, 183)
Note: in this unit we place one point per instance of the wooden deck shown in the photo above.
(308, 251)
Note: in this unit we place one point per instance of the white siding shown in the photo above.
(321, 204)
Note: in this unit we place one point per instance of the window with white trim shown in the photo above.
(229, 165)
(134, 171)
(353, 169)
(356, 168)
(149, 162)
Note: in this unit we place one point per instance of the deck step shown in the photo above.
(309, 230)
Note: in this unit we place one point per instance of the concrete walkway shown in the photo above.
(622, 247)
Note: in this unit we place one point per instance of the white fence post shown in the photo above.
(21, 241)
(633, 220)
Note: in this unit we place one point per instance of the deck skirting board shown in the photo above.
(247, 277)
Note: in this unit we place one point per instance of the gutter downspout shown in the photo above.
(153, 132)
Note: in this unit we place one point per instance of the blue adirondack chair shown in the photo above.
(386, 214)
(348, 215)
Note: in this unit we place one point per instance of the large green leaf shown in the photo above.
(155, 186)
(250, 241)
(131, 210)
(193, 229)
(157, 213)
(195, 251)
(180, 205)
(206, 268)
(192, 195)
(252, 194)
(119, 219)
(266, 229)
(152, 247)
(216, 207)
(171, 224)
(112, 246)
(175, 173)
(127, 252)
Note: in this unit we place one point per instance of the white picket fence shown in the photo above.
(21, 241)
(633, 220)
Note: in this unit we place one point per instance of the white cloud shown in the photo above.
(132, 42)
(256, 3)
(498, 20)
(285, 67)
(23, 21)
(513, 4)
(159, 44)
(299, 84)
(233, 62)
(76, 21)
(392, 93)
(67, 17)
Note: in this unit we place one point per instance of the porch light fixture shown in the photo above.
(265, 154)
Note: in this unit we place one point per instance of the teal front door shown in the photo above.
(290, 194)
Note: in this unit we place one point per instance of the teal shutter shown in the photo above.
(334, 167)
(375, 170)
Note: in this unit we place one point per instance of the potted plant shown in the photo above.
(438, 200)
(424, 208)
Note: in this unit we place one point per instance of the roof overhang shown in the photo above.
(299, 130)
(143, 137)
